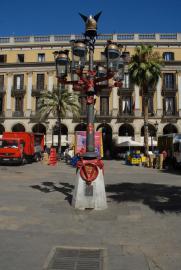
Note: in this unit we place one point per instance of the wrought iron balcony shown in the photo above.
(18, 114)
(169, 90)
(125, 116)
(18, 92)
(171, 116)
(36, 91)
(126, 90)
(103, 115)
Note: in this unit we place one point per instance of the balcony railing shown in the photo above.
(36, 91)
(99, 116)
(18, 114)
(126, 37)
(126, 89)
(18, 92)
(125, 114)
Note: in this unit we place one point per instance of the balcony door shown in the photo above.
(19, 82)
(1, 83)
(104, 106)
(40, 84)
(170, 106)
(19, 104)
(1, 104)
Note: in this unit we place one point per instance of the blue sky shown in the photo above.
(37, 17)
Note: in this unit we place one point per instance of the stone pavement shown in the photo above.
(140, 230)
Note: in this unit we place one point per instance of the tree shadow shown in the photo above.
(160, 198)
(64, 188)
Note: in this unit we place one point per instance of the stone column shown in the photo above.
(50, 81)
(115, 101)
(70, 88)
(8, 112)
(159, 98)
(137, 110)
(179, 93)
(29, 94)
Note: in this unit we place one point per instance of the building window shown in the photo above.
(168, 56)
(126, 105)
(1, 82)
(169, 104)
(1, 104)
(19, 104)
(3, 58)
(20, 58)
(41, 57)
(169, 81)
(83, 105)
(40, 83)
(126, 81)
(104, 105)
(37, 104)
(19, 82)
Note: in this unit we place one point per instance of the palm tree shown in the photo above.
(58, 103)
(145, 70)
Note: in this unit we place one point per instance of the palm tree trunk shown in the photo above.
(59, 137)
(59, 122)
(146, 146)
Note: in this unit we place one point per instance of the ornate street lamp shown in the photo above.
(61, 60)
(90, 167)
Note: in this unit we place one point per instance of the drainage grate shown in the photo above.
(76, 259)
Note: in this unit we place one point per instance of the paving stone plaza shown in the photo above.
(140, 230)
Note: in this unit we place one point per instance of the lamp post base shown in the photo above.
(89, 195)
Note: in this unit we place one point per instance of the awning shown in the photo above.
(64, 140)
(129, 144)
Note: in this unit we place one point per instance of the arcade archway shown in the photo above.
(39, 128)
(2, 129)
(151, 131)
(106, 139)
(18, 128)
(168, 129)
(81, 127)
(126, 130)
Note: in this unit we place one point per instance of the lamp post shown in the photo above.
(89, 188)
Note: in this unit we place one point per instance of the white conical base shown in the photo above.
(98, 199)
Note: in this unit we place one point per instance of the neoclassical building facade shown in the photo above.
(27, 68)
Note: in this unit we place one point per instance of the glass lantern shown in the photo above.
(62, 64)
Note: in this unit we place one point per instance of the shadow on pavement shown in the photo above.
(172, 171)
(64, 188)
(160, 198)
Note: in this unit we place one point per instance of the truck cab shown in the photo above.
(21, 147)
(11, 150)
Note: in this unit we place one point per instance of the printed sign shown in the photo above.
(80, 142)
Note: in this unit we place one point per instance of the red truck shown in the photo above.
(21, 147)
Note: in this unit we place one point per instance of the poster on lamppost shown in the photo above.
(80, 143)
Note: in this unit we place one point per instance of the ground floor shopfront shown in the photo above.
(113, 132)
